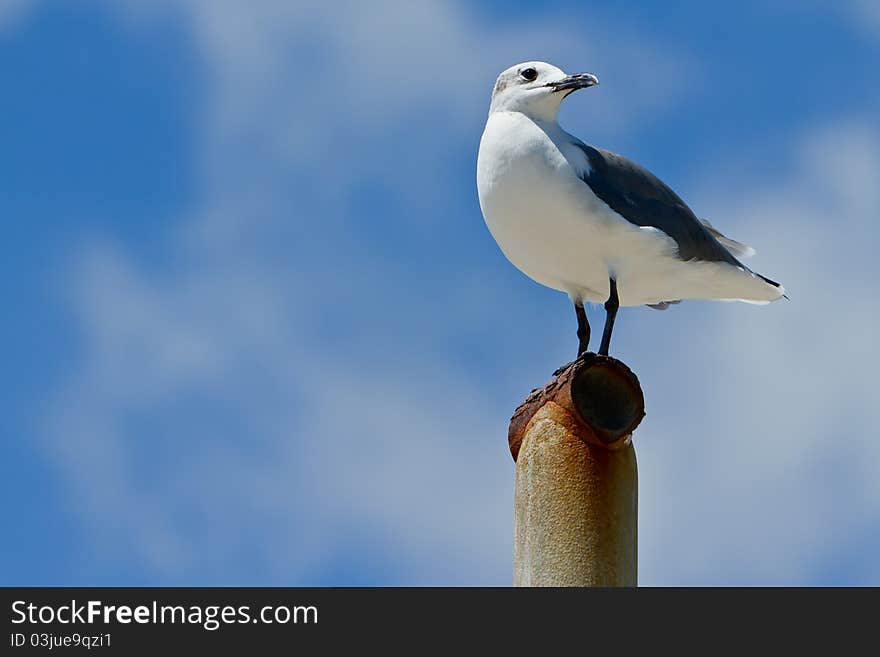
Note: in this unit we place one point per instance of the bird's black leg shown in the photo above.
(583, 328)
(611, 307)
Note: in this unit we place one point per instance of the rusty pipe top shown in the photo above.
(602, 397)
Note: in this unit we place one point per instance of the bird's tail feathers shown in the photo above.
(737, 249)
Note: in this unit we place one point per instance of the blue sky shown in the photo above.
(257, 332)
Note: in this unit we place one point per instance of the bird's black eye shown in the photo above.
(529, 74)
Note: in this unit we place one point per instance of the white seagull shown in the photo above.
(592, 223)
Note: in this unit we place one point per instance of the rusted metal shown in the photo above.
(600, 395)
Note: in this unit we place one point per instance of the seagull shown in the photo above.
(591, 223)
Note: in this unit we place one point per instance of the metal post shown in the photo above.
(576, 500)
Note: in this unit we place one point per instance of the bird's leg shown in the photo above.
(583, 328)
(611, 307)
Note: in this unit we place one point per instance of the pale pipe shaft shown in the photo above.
(576, 509)
(576, 496)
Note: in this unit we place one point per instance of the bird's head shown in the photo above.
(536, 89)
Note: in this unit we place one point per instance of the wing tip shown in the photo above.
(779, 287)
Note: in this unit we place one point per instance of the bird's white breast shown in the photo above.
(544, 218)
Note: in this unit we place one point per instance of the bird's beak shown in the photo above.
(574, 82)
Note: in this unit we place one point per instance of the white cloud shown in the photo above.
(866, 15)
(862, 15)
(772, 464)
(12, 11)
(200, 399)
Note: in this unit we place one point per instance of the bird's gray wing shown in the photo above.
(644, 200)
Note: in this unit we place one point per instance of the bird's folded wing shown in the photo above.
(644, 200)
